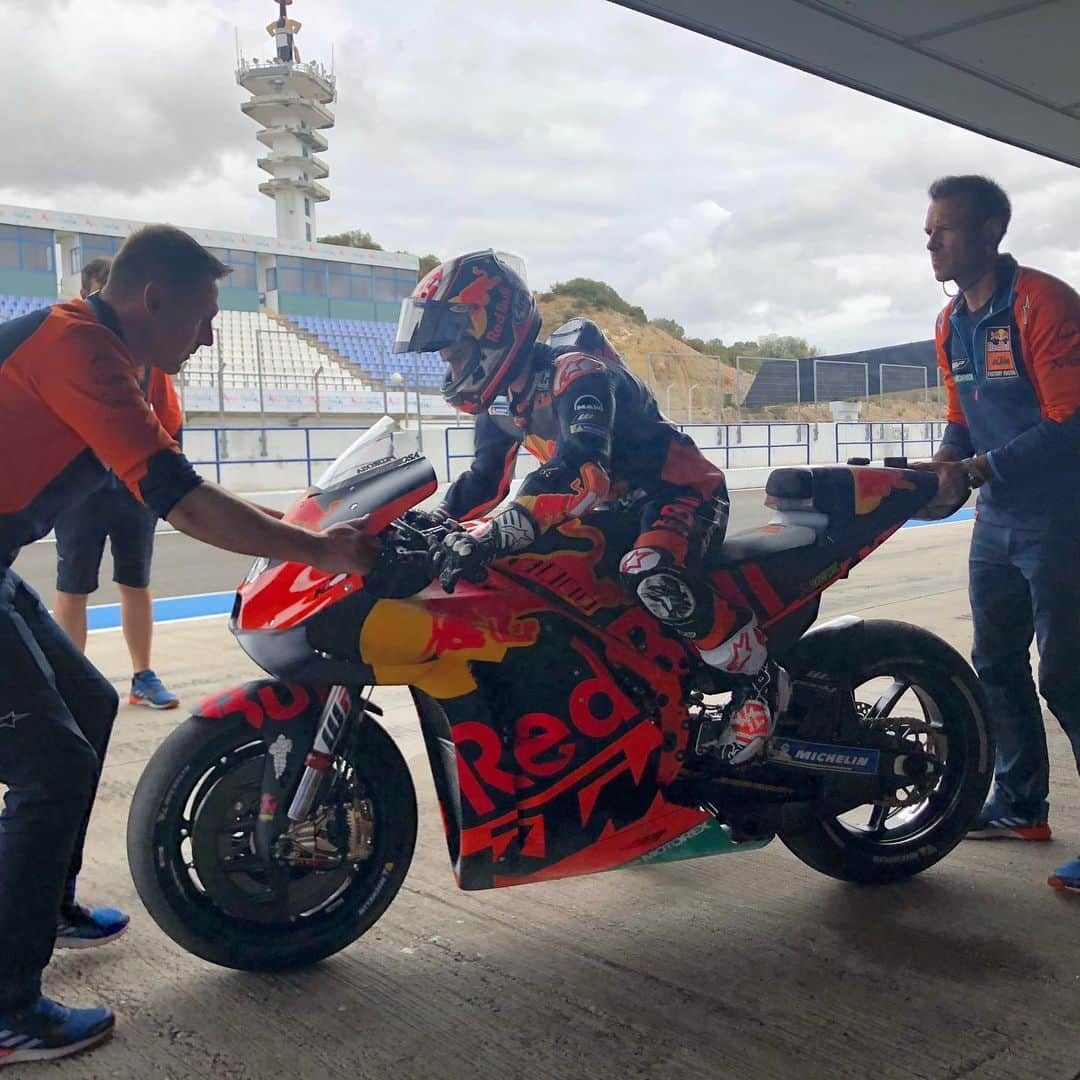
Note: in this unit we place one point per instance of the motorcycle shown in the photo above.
(275, 825)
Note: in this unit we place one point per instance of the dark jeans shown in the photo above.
(56, 714)
(1025, 583)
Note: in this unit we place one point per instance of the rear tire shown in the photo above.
(926, 832)
(188, 889)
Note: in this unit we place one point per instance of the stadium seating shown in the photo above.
(13, 306)
(245, 341)
(368, 345)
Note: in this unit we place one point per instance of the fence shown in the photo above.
(230, 450)
(265, 374)
(896, 438)
(728, 445)
(772, 387)
(843, 382)
(907, 379)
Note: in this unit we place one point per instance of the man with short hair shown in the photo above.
(71, 408)
(1009, 350)
(114, 514)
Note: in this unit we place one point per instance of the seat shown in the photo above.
(760, 543)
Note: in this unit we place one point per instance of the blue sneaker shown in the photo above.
(1066, 877)
(148, 689)
(80, 927)
(47, 1030)
(996, 821)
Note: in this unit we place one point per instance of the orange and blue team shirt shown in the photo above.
(72, 408)
(1012, 378)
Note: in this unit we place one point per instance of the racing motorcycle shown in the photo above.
(275, 825)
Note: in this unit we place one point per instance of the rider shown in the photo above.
(596, 429)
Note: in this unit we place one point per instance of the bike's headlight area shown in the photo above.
(260, 565)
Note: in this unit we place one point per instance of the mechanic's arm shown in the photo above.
(98, 396)
(487, 480)
(1053, 354)
(213, 515)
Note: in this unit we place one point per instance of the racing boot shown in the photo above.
(756, 704)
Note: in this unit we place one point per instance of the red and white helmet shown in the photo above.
(481, 316)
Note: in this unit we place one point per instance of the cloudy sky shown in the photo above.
(706, 184)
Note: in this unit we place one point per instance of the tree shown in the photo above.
(428, 263)
(355, 238)
(669, 326)
(597, 294)
(784, 346)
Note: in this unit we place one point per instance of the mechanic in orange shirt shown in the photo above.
(114, 514)
(71, 409)
(1008, 346)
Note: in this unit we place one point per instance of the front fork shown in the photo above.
(337, 712)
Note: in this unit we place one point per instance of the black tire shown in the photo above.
(201, 754)
(928, 831)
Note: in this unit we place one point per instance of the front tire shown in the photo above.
(920, 671)
(190, 850)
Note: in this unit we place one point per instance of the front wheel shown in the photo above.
(912, 685)
(191, 847)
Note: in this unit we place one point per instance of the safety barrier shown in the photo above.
(728, 445)
(897, 438)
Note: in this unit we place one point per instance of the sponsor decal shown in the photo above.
(999, 355)
(811, 755)
(279, 752)
(588, 403)
(12, 718)
(826, 575)
(500, 406)
(667, 597)
(573, 367)
(963, 378)
(639, 560)
(578, 428)
(959, 363)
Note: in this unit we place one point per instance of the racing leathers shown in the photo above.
(596, 431)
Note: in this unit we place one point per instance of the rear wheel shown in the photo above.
(915, 687)
(192, 853)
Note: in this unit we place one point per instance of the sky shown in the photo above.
(728, 192)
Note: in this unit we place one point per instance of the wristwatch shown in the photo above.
(975, 476)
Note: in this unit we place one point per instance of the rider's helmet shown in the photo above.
(481, 316)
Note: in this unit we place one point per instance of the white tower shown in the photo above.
(289, 102)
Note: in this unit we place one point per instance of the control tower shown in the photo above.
(289, 102)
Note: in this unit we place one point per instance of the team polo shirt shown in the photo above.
(1012, 376)
(71, 409)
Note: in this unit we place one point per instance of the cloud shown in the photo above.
(711, 186)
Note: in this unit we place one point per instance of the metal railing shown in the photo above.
(222, 458)
(895, 438)
(721, 440)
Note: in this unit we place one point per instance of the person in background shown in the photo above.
(1008, 345)
(72, 408)
(114, 514)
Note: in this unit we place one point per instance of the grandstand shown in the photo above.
(369, 345)
(11, 307)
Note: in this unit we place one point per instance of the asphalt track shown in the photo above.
(749, 966)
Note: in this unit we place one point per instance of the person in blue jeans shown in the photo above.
(1008, 345)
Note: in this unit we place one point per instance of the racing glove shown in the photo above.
(466, 553)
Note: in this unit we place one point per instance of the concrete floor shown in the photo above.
(749, 966)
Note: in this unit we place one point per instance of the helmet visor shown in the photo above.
(430, 325)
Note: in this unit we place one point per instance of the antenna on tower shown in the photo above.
(239, 54)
